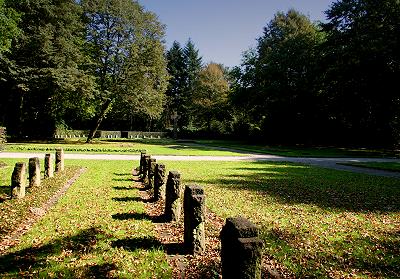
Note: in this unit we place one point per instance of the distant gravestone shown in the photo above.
(18, 181)
(142, 161)
(59, 160)
(159, 182)
(146, 167)
(241, 249)
(34, 172)
(48, 166)
(194, 219)
(173, 197)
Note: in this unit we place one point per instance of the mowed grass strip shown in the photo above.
(315, 222)
(13, 211)
(154, 147)
(303, 151)
(388, 166)
(97, 229)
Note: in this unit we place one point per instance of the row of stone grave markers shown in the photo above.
(18, 177)
(241, 248)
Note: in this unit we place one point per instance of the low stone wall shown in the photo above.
(63, 134)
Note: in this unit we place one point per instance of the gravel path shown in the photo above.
(331, 163)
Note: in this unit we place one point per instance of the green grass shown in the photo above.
(388, 166)
(12, 212)
(97, 230)
(315, 222)
(154, 147)
(303, 151)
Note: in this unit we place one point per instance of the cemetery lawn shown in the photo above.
(315, 222)
(153, 146)
(98, 229)
(388, 166)
(303, 151)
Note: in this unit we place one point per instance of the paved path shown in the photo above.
(320, 162)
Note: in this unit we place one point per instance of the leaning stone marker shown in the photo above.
(152, 170)
(173, 197)
(48, 166)
(34, 172)
(159, 182)
(241, 249)
(194, 217)
(59, 159)
(18, 181)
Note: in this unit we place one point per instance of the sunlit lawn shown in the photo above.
(303, 151)
(314, 222)
(154, 146)
(389, 166)
(97, 230)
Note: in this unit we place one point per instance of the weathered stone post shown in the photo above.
(173, 197)
(152, 170)
(159, 182)
(34, 172)
(59, 159)
(18, 181)
(142, 161)
(194, 217)
(48, 166)
(241, 249)
(145, 167)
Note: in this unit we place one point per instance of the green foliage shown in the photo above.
(127, 57)
(42, 81)
(9, 30)
(210, 95)
(362, 68)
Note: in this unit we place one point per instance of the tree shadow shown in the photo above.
(293, 184)
(148, 243)
(131, 216)
(28, 259)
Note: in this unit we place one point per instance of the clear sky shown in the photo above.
(223, 29)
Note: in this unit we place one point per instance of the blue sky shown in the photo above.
(223, 29)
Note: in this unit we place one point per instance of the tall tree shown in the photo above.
(193, 65)
(363, 66)
(285, 76)
(210, 94)
(177, 82)
(9, 30)
(41, 78)
(125, 44)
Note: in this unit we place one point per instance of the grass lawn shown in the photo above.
(314, 222)
(154, 146)
(303, 151)
(97, 230)
(389, 166)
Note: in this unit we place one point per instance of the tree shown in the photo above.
(280, 78)
(210, 94)
(41, 81)
(178, 77)
(127, 54)
(362, 61)
(9, 30)
(193, 65)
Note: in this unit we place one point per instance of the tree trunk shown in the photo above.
(100, 117)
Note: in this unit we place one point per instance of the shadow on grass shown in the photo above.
(122, 179)
(330, 189)
(148, 243)
(123, 188)
(379, 258)
(131, 216)
(4, 193)
(33, 258)
(133, 199)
